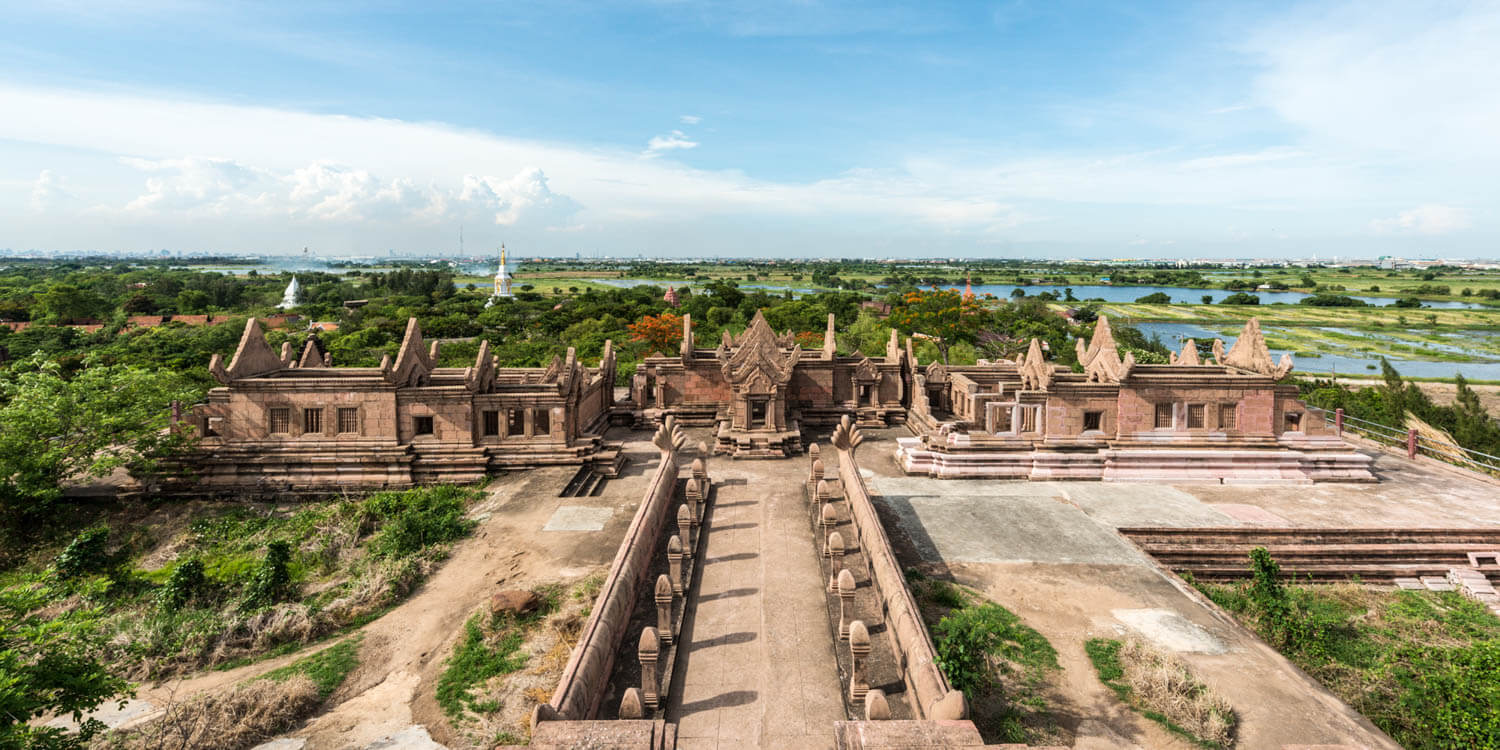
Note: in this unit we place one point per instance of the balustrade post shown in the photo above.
(829, 519)
(1338, 421)
(859, 651)
(846, 603)
(674, 563)
(647, 652)
(685, 527)
(1411, 443)
(664, 608)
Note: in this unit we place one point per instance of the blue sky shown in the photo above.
(768, 128)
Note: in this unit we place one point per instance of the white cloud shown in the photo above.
(690, 119)
(676, 140)
(1429, 219)
(50, 192)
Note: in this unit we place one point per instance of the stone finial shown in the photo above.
(814, 477)
(825, 490)
(828, 517)
(700, 470)
(685, 526)
(287, 360)
(674, 563)
(876, 707)
(814, 451)
(859, 650)
(631, 704)
(1250, 353)
(664, 596)
(703, 450)
(647, 652)
(847, 437)
(836, 550)
(846, 603)
(693, 491)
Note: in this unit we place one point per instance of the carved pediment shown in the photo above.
(252, 357)
(413, 362)
(1035, 370)
(866, 370)
(1189, 355)
(313, 354)
(758, 349)
(937, 373)
(481, 377)
(1251, 354)
(1101, 358)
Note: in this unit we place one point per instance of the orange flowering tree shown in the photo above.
(810, 339)
(942, 314)
(661, 333)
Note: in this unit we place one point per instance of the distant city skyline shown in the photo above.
(777, 129)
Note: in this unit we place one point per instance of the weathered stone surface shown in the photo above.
(514, 602)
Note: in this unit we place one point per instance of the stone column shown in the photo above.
(846, 603)
(648, 651)
(700, 472)
(685, 526)
(859, 651)
(674, 562)
(814, 476)
(1015, 419)
(693, 497)
(664, 608)
(530, 420)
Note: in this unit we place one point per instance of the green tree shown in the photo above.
(49, 665)
(67, 302)
(942, 314)
(103, 418)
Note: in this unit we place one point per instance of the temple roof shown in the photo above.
(759, 349)
(1250, 353)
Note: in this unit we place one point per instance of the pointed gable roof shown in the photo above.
(1101, 359)
(758, 349)
(252, 358)
(1036, 372)
(1189, 355)
(481, 377)
(1250, 353)
(313, 354)
(413, 364)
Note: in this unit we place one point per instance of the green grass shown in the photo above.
(1002, 665)
(490, 647)
(327, 668)
(1421, 665)
(1104, 654)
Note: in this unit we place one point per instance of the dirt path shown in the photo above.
(403, 652)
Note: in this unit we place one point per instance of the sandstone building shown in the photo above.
(298, 423)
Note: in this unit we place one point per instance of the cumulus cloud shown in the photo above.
(197, 187)
(676, 140)
(49, 192)
(1431, 218)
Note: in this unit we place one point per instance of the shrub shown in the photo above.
(973, 641)
(87, 553)
(1240, 298)
(272, 580)
(187, 581)
(1163, 690)
(415, 519)
(1155, 298)
(241, 717)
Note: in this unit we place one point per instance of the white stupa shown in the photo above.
(502, 281)
(289, 297)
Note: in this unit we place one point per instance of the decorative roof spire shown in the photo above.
(1101, 360)
(968, 289)
(1250, 353)
(671, 296)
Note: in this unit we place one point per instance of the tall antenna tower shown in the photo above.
(460, 240)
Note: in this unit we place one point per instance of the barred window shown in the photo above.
(1226, 417)
(1195, 416)
(1163, 416)
(312, 420)
(281, 420)
(348, 419)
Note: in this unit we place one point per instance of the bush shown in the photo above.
(1155, 298)
(85, 554)
(272, 580)
(973, 641)
(187, 581)
(1240, 298)
(415, 519)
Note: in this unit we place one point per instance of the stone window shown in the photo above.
(1093, 420)
(515, 422)
(1226, 417)
(280, 420)
(1028, 418)
(421, 425)
(1294, 421)
(542, 422)
(491, 423)
(1164, 419)
(312, 420)
(348, 419)
(757, 414)
(1195, 416)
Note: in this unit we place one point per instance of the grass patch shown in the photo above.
(490, 647)
(1421, 665)
(1002, 665)
(1162, 690)
(327, 668)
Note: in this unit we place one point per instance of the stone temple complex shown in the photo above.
(298, 422)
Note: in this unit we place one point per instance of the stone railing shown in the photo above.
(585, 679)
(928, 693)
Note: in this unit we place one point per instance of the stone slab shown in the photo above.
(1250, 514)
(1170, 631)
(578, 518)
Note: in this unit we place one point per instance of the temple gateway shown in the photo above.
(297, 423)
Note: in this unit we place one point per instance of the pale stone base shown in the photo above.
(1278, 465)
